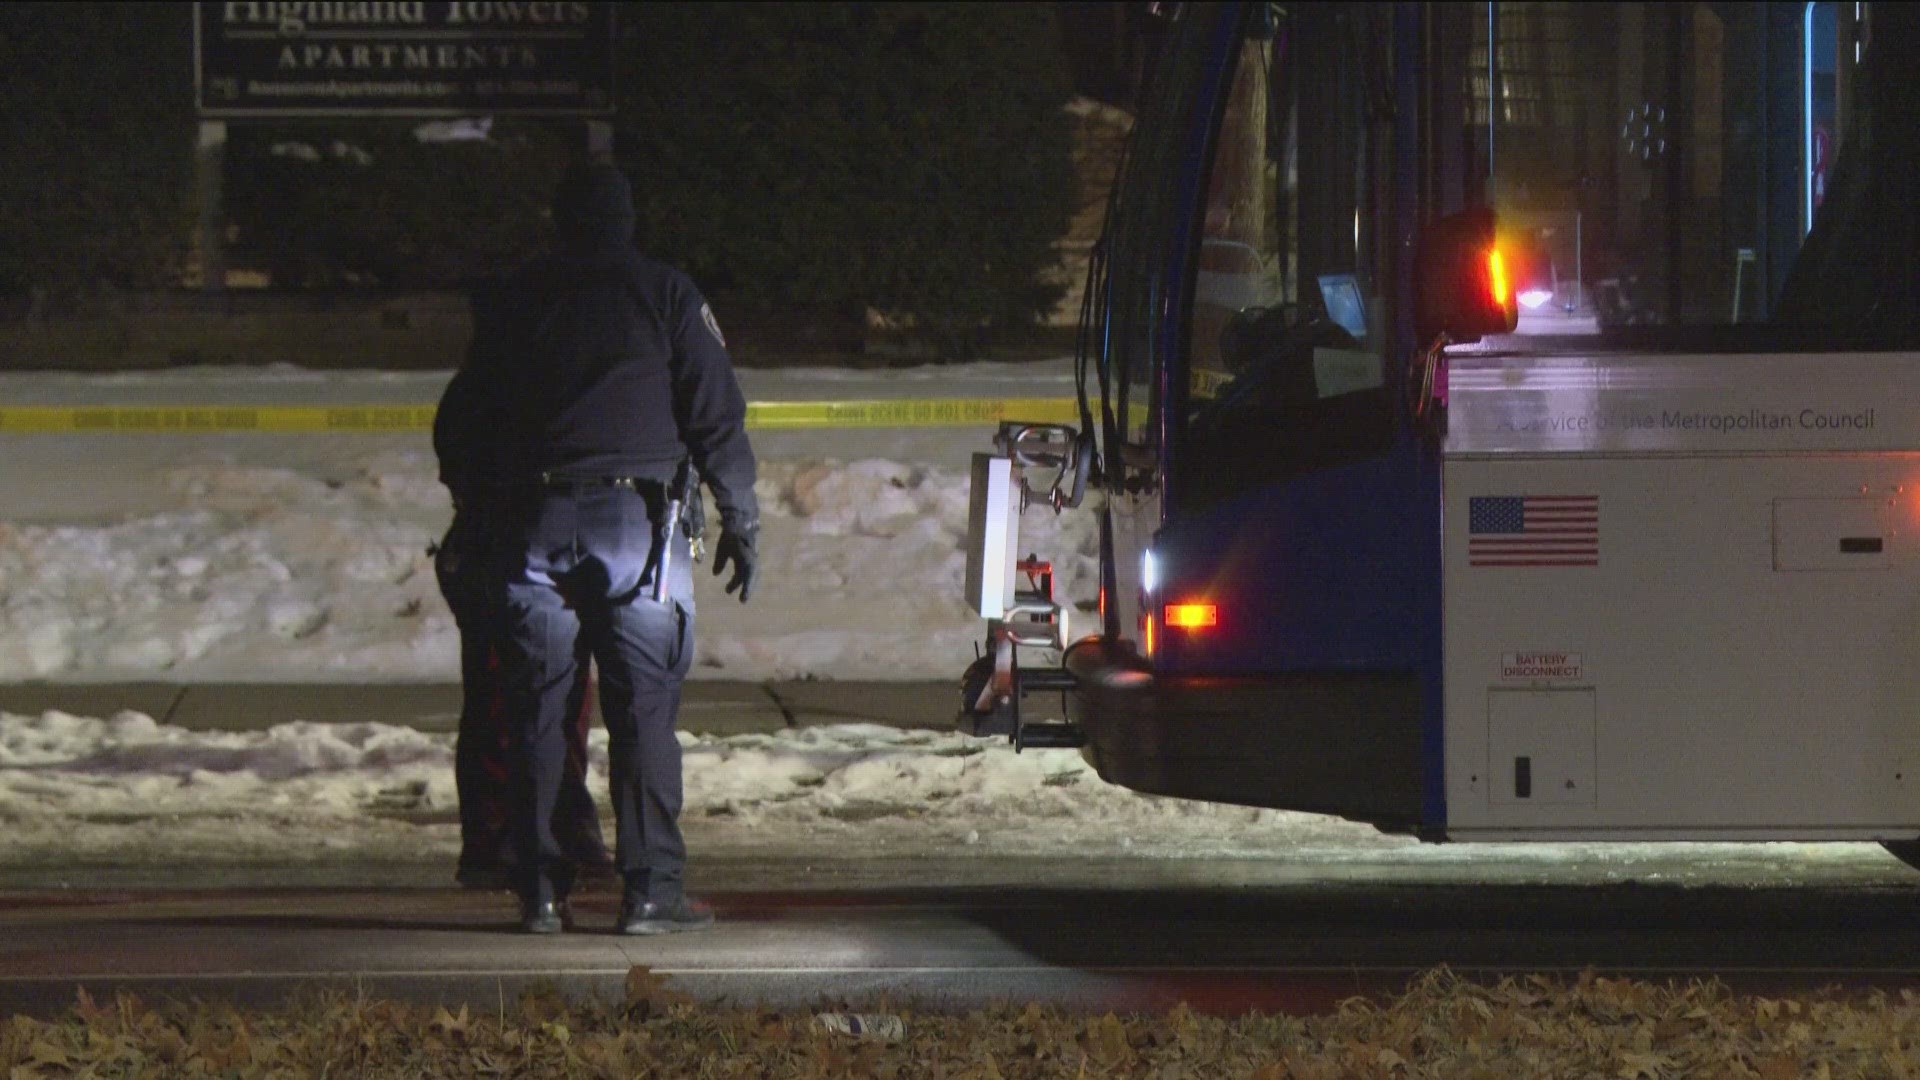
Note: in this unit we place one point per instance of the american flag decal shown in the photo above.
(1533, 530)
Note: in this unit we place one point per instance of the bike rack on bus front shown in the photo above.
(992, 687)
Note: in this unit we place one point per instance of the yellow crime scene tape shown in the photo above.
(402, 419)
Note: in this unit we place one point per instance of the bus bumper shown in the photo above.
(1333, 743)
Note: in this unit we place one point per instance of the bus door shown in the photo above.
(1151, 240)
(1297, 501)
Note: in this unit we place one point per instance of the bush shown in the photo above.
(828, 158)
(364, 202)
(96, 124)
(806, 163)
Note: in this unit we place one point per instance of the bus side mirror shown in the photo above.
(1461, 285)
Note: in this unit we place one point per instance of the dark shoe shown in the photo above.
(484, 876)
(544, 916)
(646, 917)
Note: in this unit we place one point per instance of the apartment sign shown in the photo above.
(467, 57)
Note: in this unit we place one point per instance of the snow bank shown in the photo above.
(78, 791)
(259, 573)
(256, 572)
(308, 791)
(262, 557)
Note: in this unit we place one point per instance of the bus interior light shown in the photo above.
(1192, 616)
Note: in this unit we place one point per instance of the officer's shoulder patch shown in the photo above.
(713, 324)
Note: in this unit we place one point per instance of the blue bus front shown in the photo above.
(1680, 179)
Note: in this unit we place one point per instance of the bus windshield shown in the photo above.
(1707, 176)
(1687, 178)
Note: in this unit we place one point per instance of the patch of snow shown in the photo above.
(303, 558)
(849, 789)
(128, 790)
(270, 574)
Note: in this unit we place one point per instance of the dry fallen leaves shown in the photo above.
(1441, 1026)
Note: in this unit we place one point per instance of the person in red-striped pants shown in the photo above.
(480, 763)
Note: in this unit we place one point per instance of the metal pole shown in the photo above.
(1493, 87)
(1579, 266)
(208, 158)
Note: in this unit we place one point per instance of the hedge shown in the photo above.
(807, 163)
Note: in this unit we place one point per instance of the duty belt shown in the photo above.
(631, 483)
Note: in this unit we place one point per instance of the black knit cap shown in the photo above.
(593, 203)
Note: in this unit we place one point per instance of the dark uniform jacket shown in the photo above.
(596, 362)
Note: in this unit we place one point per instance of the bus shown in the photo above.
(1504, 424)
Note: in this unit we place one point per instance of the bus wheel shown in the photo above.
(1907, 851)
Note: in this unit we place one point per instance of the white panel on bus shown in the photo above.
(1784, 403)
(1670, 540)
(1540, 746)
(993, 535)
(1832, 534)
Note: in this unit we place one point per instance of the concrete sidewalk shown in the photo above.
(707, 708)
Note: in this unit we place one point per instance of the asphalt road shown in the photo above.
(1096, 936)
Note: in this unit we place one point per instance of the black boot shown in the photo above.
(641, 916)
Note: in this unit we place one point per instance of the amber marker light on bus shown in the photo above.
(1497, 279)
(1192, 616)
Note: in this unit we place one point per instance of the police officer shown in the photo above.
(607, 381)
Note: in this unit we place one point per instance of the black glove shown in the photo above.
(736, 546)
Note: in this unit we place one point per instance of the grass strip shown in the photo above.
(1441, 1026)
